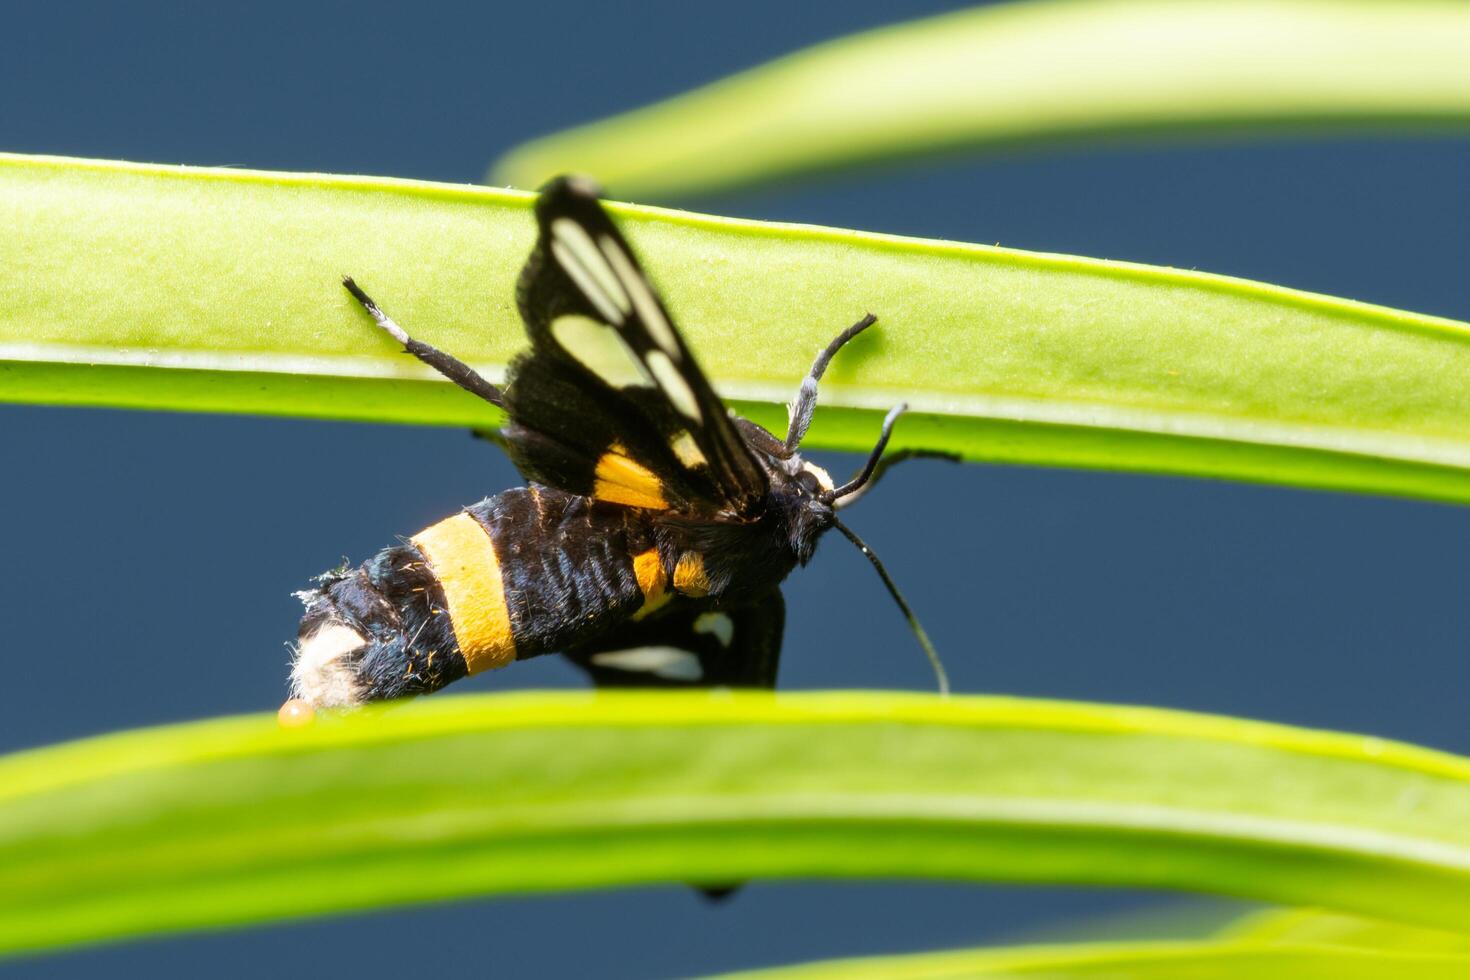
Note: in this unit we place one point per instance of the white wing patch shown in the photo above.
(718, 625)
(602, 350)
(576, 253)
(670, 663)
(643, 301)
(688, 450)
(674, 385)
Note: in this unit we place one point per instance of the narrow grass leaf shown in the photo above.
(235, 821)
(1012, 74)
(1322, 928)
(1140, 961)
(217, 290)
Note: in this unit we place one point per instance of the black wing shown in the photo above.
(609, 402)
(690, 648)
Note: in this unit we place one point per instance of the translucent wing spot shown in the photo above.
(619, 480)
(601, 350)
(579, 256)
(670, 663)
(688, 450)
(648, 309)
(718, 625)
(674, 385)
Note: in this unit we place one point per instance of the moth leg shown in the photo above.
(800, 412)
(452, 368)
(892, 459)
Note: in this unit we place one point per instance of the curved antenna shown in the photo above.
(799, 415)
(935, 663)
(863, 475)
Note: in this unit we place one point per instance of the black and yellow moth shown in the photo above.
(656, 527)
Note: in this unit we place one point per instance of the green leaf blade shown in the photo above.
(1320, 928)
(1027, 73)
(217, 290)
(1134, 961)
(235, 821)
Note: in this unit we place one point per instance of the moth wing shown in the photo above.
(685, 648)
(609, 402)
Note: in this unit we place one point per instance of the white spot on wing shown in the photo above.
(673, 384)
(574, 249)
(322, 673)
(688, 450)
(600, 349)
(717, 624)
(643, 301)
(585, 283)
(670, 663)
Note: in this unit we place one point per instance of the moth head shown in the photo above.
(813, 479)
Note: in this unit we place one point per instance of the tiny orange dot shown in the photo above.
(296, 713)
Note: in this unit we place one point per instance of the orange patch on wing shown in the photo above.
(689, 575)
(461, 555)
(653, 581)
(620, 480)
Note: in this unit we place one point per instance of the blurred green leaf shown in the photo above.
(216, 290)
(1322, 928)
(1136, 961)
(1173, 917)
(235, 821)
(1020, 73)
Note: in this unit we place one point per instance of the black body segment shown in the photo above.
(566, 573)
(571, 573)
(395, 604)
(566, 563)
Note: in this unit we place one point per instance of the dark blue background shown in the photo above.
(149, 558)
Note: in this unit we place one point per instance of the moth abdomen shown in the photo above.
(526, 572)
(379, 631)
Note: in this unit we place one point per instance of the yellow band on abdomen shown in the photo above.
(462, 557)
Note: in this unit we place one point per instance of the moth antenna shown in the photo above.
(937, 665)
(799, 412)
(858, 482)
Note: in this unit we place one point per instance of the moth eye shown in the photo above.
(809, 483)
